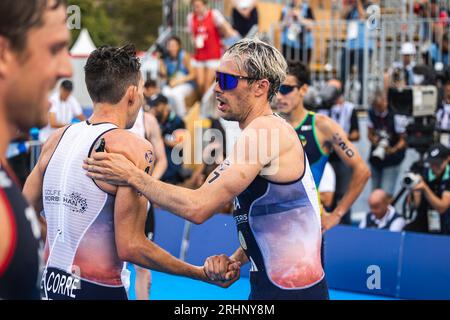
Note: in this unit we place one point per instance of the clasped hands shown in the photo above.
(222, 270)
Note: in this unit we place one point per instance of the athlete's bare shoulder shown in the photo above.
(136, 149)
(49, 147)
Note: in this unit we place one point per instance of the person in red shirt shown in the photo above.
(207, 26)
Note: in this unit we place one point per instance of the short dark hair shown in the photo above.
(175, 38)
(110, 71)
(150, 83)
(300, 71)
(158, 99)
(67, 85)
(17, 17)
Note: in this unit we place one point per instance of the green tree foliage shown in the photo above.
(116, 22)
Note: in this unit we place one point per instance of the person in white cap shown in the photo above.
(401, 73)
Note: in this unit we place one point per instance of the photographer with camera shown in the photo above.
(401, 73)
(431, 193)
(386, 132)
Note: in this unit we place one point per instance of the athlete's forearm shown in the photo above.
(148, 255)
(360, 176)
(180, 201)
(240, 256)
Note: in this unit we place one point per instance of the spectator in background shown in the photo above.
(382, 215)
(64, 108)
(151, 88)
(352, 54)
(207, 26)
(402, 73)
(443, 116)
(296, 39)
(434, 18)
(439, 51)
(344, 112)
(432, 194)
(245, 16)
(176, 68)
(172, 130)
(386, 133)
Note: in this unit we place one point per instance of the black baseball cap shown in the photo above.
(157, 99)
(437, 152)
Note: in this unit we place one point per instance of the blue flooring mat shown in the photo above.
(168, 287)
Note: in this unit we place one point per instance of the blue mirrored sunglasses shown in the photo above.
(286, 89)
(229, 81)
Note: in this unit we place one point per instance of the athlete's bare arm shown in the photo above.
(130, 213)
(225, 182)
(335, 136)
(153, 133)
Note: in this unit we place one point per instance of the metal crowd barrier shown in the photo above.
(331, 54)
(35, 147)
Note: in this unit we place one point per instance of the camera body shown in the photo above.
(380, 150)
(414, 101)
(410, 180)
(323, 99)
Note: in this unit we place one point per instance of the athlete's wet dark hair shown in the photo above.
(110, 72)
(300, 71)
(17, 17)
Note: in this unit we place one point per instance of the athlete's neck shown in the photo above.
(108, 113)
(6, 133)
(255, 113)
(297, 115)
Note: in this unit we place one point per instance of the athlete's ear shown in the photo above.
(262, 87)
(5, 55)
(131, 95)
(304, 89)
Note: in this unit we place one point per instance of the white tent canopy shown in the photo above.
(84, 45)
(80, 52)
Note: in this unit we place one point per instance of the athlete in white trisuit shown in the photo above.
(93, 227)
(147, 127)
